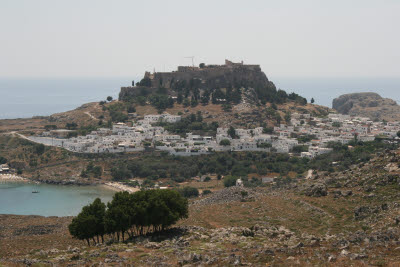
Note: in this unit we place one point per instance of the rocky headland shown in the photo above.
(370, 105)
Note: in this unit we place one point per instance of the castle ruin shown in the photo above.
(186, 73)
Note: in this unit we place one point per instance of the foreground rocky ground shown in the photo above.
(348, 218)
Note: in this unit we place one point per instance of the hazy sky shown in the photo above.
(289, 38)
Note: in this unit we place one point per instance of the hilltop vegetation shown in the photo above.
(228, 84)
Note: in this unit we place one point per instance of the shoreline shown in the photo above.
(12, 178)
(118, 187)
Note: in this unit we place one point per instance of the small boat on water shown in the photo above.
(35, 192)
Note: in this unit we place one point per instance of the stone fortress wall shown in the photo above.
(211, 76)
(164, 79)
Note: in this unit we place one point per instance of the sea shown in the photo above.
(50, 200)
(27, 97)
(24, 98)
(324, 90)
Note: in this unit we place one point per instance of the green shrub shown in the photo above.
(206, 192)
(230, 181)
(188, 192)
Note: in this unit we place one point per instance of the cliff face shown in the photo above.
(367, 104)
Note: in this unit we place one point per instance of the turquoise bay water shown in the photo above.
(52, 200)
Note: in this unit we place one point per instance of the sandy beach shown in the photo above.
(11, 177)
(120, 187)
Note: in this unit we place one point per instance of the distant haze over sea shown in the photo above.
(22, 98)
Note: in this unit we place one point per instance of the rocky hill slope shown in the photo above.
(367, 104)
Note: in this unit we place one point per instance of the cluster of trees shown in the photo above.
(345, 157)
(129, 214)
(109, 99)
(118, 112)
(273, 114)
(193, 123)
(178, 169)
(3, 160)
(225, 142)
(39, 149)
(161, 101)
(81, 130)
(189, 191)
(71, 126)
(50, 127)
(300, 148)
(230, 180)
(221, 90)
(91, 169)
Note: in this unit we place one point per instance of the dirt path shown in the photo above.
(90, 115)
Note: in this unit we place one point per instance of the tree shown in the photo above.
(264, 145)
(225, 142)
(81, 227)
(71, 126)
(50, 127)
(288, 117)
(312, 100)
(398, 134)
(206, 192)
(131, 109)
(199, 116)
(146, 82)
(138, 213)
(336, 124)
(97, 171)
(268, 130)
(3, 160)
(89, 222)
(186, 102)
(232, 132)
(188, 191)
(194, 102)
(202, 65)
(109, 98)
(39, 149)
(120, 172)
(299, 149)
(179, 98)
(98, 210)
(230, 181)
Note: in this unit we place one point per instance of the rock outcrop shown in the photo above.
(207, 77)
(367, 104)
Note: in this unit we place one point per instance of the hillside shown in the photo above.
(227, 85)
(252, 107)
(231, 94)
(369, 105)
(333, 219)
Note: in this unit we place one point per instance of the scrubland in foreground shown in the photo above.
(335, 219)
